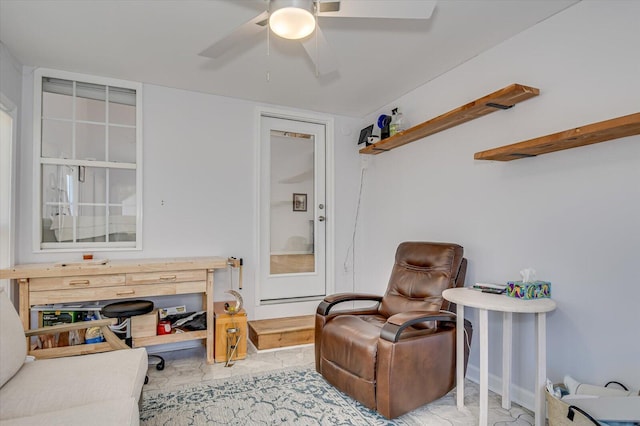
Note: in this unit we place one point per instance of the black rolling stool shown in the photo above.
(124, 311)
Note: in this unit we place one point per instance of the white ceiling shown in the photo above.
(158, 42)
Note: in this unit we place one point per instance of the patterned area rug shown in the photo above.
(297, 396)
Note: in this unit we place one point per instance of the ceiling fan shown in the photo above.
(296, 20)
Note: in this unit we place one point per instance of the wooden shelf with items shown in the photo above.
(602, 131)
(504, 98)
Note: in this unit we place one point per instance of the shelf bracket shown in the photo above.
(498, 106)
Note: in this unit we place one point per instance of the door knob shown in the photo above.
(321, 218)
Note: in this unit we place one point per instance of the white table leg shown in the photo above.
(460, 346)
(507, 321)
(541, 371)
(484, 367)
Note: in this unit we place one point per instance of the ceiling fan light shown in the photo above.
(292, 22)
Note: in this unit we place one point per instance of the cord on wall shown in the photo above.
(352, 247)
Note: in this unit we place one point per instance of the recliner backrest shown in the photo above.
(422, 271)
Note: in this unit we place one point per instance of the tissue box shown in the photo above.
(534, 290)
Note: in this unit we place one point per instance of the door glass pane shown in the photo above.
(292, 203)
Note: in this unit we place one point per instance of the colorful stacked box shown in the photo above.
(533, 290)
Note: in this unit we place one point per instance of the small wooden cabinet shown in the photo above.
(223, 322)
(44, 284)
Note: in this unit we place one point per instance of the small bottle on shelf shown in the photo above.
(398, 122)
(393, 125)
(401, 122)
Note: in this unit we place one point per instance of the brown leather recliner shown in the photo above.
(401, 353)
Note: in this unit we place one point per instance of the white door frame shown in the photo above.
(7, 191)
(306, 307)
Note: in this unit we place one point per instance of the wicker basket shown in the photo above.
(563, 414)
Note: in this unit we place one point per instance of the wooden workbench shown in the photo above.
(85, 281)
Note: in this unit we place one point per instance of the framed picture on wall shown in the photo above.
(299, 202)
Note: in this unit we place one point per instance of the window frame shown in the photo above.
(38, 161)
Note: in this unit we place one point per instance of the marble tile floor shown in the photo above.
(188, 367)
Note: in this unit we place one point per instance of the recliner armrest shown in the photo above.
(397, 323)
(330, 301)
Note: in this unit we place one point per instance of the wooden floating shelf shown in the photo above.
(502, 99)
(602, 131)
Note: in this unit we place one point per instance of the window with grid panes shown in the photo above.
(88, 159)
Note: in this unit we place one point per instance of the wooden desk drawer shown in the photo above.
(81, 281)
(166, 277)
(116, 292)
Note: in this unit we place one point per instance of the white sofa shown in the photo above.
(97, 389)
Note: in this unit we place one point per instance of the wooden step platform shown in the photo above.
(282, 332)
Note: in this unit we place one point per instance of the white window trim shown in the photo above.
(38, 245)
(8, 190)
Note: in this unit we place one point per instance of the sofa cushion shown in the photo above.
(54, 384)
(13, 349)
(104, 413)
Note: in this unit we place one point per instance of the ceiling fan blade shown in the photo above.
(325, 60)
(395, 9)
(244, 31)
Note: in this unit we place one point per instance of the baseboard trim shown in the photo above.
(519, 395)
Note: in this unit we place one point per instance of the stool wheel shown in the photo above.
(160, 365)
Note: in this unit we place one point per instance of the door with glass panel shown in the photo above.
(292, 209)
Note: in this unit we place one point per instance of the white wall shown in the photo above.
(573, 215)
(10, 76)
(198, 182)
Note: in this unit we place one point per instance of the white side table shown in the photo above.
(498, 302)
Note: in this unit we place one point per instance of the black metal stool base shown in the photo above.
(124, 311)
(160, 364)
